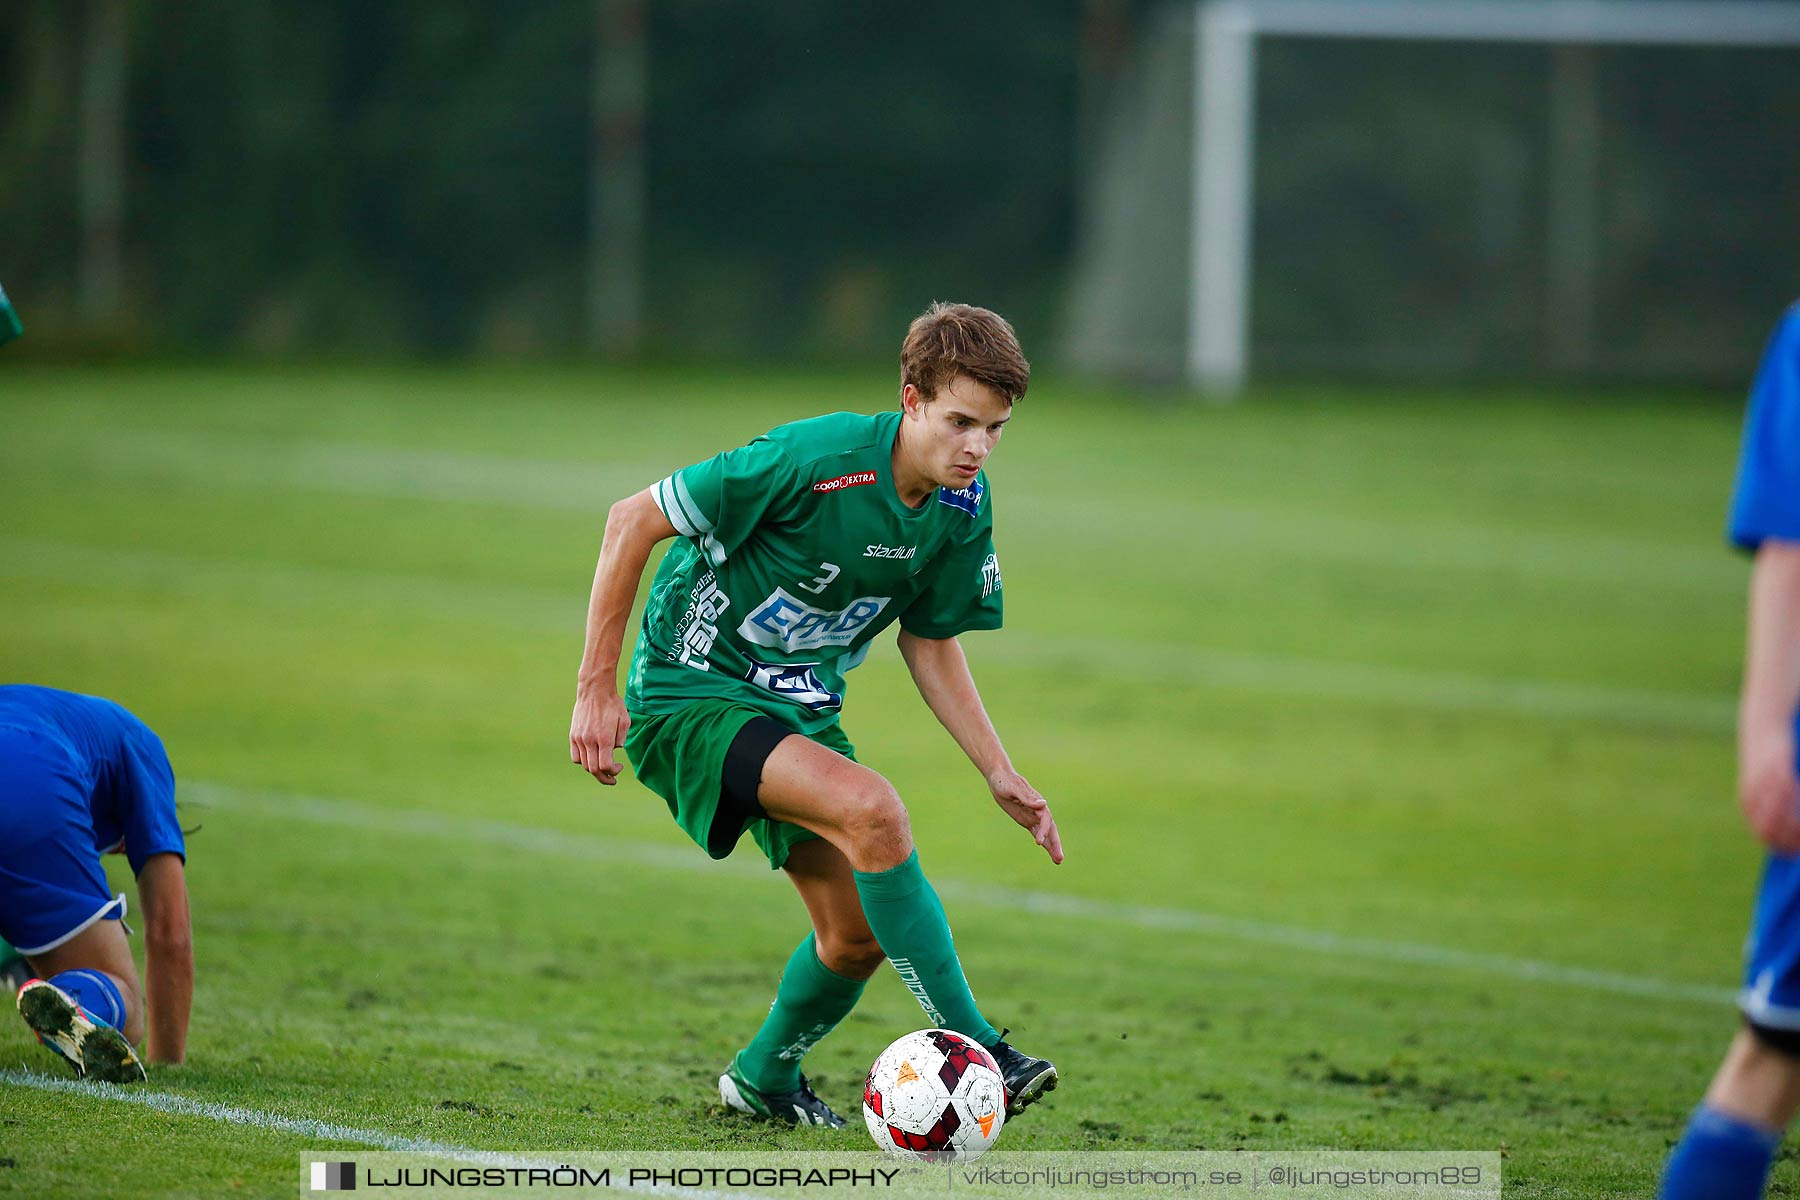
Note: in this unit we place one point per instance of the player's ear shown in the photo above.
(912, 399)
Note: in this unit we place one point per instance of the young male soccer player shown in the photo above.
(1732, 1138)
(81, 777)
(799, 549)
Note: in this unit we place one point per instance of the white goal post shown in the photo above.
(1224, 119)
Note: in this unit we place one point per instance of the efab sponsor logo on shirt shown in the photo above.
(854, 479)
(784, 622)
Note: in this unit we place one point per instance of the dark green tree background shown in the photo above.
(411, 175)
(417, 176)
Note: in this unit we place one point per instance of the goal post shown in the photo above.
(1223, 149)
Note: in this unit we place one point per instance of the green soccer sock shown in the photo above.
(810, 1001)
(904, 914)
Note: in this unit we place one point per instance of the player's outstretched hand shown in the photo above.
(1024, 805)
(596, 731)
(1768, 790)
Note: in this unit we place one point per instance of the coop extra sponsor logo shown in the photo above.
(854, 479)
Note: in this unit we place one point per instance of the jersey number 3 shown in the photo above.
(821, 582)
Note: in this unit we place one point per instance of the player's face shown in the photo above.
(956, 431)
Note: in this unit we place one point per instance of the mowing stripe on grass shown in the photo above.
(292, 586)
(1495, 553)
(349, 469)
(543, 841)
(383, 471)
(1362, 683)
(536, 609)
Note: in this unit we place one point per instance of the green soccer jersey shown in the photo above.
(798, 552)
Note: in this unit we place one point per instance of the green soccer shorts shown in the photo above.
(681, 756)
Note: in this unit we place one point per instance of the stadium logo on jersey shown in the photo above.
(796, 682)
(854, 479)
(880, 551)
(785, 623)
(990, 576)
(964, 499)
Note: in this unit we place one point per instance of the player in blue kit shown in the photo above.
(1731, 1140)
(81, 777)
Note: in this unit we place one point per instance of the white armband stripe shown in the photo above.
(664, 495)
(687, 503)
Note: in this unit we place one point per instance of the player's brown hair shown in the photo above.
(947, 340)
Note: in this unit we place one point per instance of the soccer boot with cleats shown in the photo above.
(798, 1107)
(95, 1049)
(1026, 1078)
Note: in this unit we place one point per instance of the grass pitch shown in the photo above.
(1389, 738)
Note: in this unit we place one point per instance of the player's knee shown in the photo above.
(877, 823)
(872, 803)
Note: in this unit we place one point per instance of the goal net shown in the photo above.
(1409, 187)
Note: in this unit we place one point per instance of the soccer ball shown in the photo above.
(935, 1096)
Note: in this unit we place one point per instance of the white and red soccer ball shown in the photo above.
(935, 1096)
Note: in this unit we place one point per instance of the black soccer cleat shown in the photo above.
(798, 1107)
(1026, 1078)
(95, 1049)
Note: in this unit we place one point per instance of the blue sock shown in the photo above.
(1720, 1157)
(97, 994)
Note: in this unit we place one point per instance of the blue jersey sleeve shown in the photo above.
(147, 807)
(1766, 503)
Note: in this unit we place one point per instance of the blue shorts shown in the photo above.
(52, 886)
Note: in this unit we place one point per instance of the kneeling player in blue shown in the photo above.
(799, 549)
(81, 777)
(1729, 1144)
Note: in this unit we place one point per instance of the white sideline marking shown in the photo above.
(539, 840)
(307, 1127)
(187, 1106)
(539, 609)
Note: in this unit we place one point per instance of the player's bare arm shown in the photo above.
(597, 729)
(168, 957)
(940, 670)
(1767, 788)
